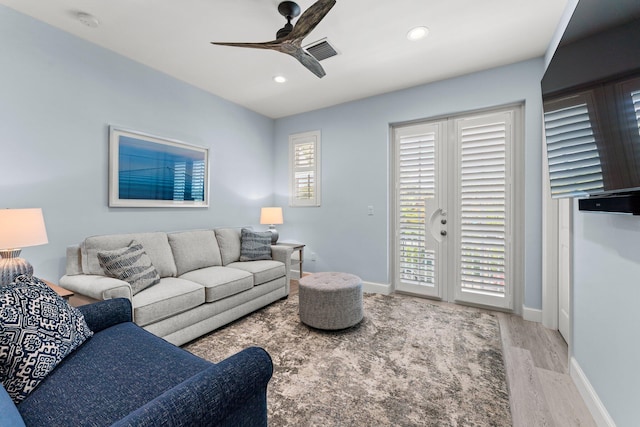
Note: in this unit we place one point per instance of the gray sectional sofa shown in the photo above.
(203, 284)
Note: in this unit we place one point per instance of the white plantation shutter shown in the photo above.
(483, 205)
(416, 184)
(304, 165)
(304, 169)
(574, 162)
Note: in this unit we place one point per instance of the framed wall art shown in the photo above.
(151, 171)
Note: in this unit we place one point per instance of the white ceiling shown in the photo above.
(370, 35)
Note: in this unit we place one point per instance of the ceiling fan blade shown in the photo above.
(309, 62)
(264, 45)
(310, 19)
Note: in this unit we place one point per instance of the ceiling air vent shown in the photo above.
(321, 50)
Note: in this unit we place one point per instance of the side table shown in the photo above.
(74, 300)
(296, 247)
(64, 293)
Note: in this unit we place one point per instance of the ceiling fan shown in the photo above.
(289, 38)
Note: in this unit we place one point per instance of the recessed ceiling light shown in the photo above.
(88, 19)
(417, 33)
(279, 79)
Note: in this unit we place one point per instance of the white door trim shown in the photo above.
(550, 256)
(565, 267)
(550, 260)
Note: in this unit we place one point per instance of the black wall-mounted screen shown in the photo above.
(591, 97)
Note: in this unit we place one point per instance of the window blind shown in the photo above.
(416, 184)
(482, 205)
(304, 169)
(304, 165)
(574, 163)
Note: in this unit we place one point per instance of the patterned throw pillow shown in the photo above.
(131, 264)
(37, 330)
(255, 245)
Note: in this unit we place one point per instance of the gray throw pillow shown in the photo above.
(255, 245)
(39, 329)
(131, 264)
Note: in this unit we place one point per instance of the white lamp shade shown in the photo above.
(20, 228)
(272, 215)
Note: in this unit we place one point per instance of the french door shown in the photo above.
(453, 213)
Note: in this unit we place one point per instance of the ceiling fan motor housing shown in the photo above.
(284, 31)
(289, 10)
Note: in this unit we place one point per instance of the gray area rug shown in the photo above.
(410, 362)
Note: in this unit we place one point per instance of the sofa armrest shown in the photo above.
(230, 393)
(282, 254)
(97, 287)
(103, 314)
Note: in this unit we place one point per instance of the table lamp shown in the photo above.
(271, 216)
(19, 228)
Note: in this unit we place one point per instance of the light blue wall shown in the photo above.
(59, 94)
(606, 318)
(355, 168)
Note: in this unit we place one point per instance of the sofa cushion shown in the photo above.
(169, 297)
(220, 282)
(194, 249)
(39, 329)
(263, 271)
(229, 243)
(255, 245)
(156, 245)
(131, 264)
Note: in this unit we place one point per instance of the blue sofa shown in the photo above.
(126, 376)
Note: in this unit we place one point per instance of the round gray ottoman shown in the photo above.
(330, 300)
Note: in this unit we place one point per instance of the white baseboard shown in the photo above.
(532, 314)
(376, 288)
(594, 404)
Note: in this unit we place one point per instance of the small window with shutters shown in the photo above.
(304, 169)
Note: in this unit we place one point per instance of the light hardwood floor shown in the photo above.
(541, 391)
(540, 388)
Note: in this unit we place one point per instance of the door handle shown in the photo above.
(431, 224)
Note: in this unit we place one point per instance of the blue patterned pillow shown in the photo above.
(255, 245)
(37, 330)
